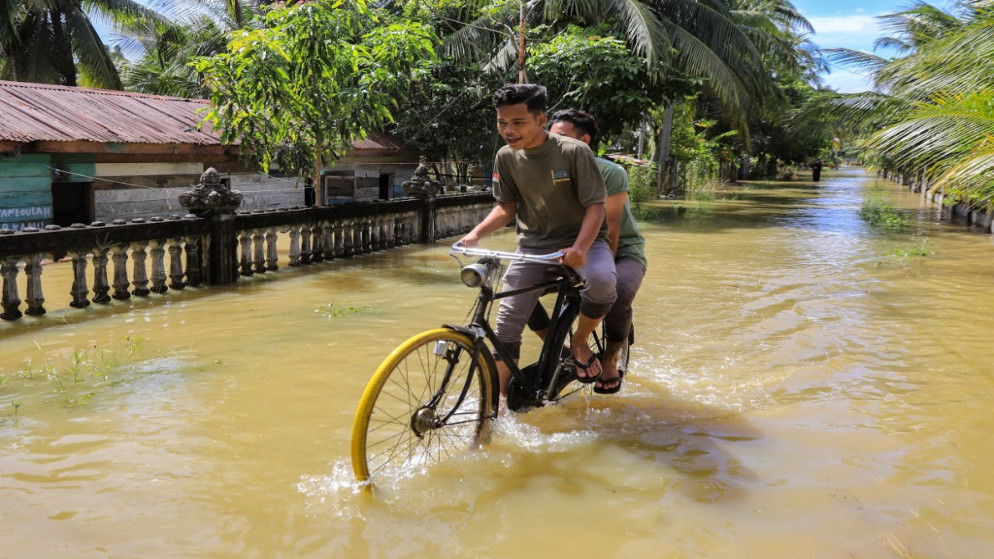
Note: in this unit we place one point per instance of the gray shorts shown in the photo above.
(619, 319)
(598, 295)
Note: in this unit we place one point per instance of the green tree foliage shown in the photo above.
(596, 73)
(933, 110)
(451, 112)
(54, 41)
(157, 54)
(317, 76)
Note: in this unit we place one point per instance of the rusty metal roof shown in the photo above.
(31, 112)
(379, 141)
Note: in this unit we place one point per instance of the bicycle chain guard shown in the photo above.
(519, 398)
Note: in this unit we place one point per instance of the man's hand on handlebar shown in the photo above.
(469, 241)
(574, 258)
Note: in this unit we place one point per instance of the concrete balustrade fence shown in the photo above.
(139, 258)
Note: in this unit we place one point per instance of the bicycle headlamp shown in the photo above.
(475, 275)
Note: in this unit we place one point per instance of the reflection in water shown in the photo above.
(799, 387)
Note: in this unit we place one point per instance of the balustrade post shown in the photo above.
(158, 254)
(357, 236)
(140, 276)
(258, 250)
(364, 230)
(414, 228)
(348, 249)
(35, 296)
(193, 255)
(359, 228)
(392, 230)
(378, 240)
(79, 289)
(100, 286)
(272, 256)
(121, 283)
(305, 244)
(328, 240)
(339, 241)
(294, 246)
(176, 265)
(245, 240)
(11, 300)
(317, 243)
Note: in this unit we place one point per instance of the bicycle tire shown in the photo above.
(394, 432)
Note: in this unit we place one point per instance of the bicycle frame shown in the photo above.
(539, 382)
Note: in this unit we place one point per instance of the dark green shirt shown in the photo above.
(631, 244)
(552, 185)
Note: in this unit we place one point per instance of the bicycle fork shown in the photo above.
(426, 418)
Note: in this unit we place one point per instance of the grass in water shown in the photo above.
(918, 251)
(330, 311)
(72, 384)
(877, 212)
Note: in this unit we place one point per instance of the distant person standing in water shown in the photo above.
(816, 170)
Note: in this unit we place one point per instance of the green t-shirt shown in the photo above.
(552, 185)
(631, 244)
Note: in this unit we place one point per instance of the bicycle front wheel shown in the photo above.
(424, 403)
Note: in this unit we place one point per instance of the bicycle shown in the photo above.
(437, 393)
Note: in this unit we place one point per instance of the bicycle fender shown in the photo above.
(475, 334)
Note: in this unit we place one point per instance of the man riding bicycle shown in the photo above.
(553, 187)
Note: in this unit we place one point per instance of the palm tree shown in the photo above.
(159, 52)
(55, 41)
(933, 111)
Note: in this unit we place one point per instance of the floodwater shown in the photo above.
(803, 385)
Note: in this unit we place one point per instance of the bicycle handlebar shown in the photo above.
(551, 258)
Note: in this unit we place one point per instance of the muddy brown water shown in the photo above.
(803, 385)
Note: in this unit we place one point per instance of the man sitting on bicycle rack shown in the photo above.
(627, 245)
(554, 188)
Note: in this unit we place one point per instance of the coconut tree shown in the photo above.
(159, 53)
(933, 111)
(55, 41)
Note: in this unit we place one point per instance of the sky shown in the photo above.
(849, 24)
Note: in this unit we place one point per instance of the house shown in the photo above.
(77, 155)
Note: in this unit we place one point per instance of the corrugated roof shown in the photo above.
(31, 112)
(382, 141)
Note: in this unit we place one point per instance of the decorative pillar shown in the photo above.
(140, 276)
(272, 256)
(79, 289)
(258, 252)
(176, 265)
(193, 253)
(305, 244)
(35, 296)
(245, 242)
(213, 200)
(294, 246)
(100, 286)
(121, 283)
(158, 254)
(11, 300)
